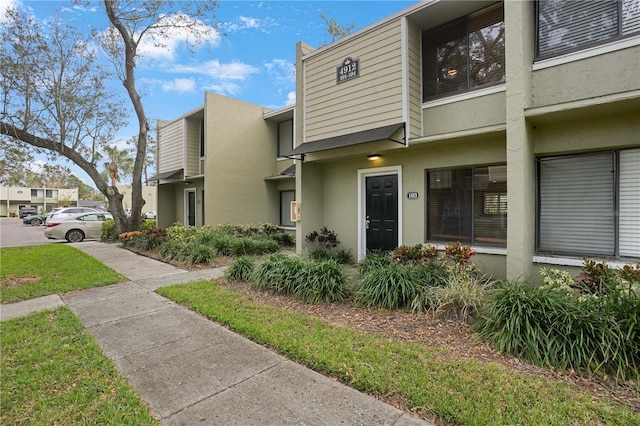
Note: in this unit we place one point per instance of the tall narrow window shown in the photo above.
(285, 137)
(465, 54)
(286, 197)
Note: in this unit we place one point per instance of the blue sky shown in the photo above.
(253, 61)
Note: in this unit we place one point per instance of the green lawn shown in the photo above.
(54, 373)
(433, 383)
(34, 271)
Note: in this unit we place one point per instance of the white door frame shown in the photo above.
(363, 174)
(186, 205)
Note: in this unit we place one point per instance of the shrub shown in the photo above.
(278, 273)
(372, 261)
(433, 273)
(240, 269)
(319, 253)
(549, 327)
(321, 282)
(108, 230)
(284, 239)
(195, 255)
(324, 238)
(388, 286)
(460, 298)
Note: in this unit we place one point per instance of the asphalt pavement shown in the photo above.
(193, 371)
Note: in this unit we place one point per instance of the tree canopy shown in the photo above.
(56, 97)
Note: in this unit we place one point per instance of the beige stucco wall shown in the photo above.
(474, 113)
(330, 189)
(373, 99)
(149, 195)
(607, 131)
(602, 75)
(240, 152)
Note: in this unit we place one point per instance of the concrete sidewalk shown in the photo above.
(194, 371)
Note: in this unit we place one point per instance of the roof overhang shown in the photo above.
(385, 133)
(174, 174)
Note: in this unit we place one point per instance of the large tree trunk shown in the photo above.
(113, 196)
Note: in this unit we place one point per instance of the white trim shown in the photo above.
(466, 95)
(587, 53)
(362, 202)
(575, 261)
(185, 219)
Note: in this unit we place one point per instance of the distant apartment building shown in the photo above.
(12, 199)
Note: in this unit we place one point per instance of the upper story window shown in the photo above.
(465, 54)
(285, 137)
(564, 26)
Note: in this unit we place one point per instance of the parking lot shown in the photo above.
(13, 234)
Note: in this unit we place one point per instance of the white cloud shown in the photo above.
(6, 5)
(176, 32)
(214, 69)
(180, 85)
(291, 99)
(282, 75)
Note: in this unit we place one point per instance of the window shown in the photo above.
(468, 205)
(464, 55)
(588, 204)
(285, 138)
(568, 25)
(286, 197)
(52, 193)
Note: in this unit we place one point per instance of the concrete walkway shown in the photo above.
(193, 371)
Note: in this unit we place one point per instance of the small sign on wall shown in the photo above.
(294, 211)
(349, 69)
(413, 195)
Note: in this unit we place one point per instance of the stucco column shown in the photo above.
(309, 188)
(519, 52)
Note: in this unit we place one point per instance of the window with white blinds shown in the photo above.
(629, 211)
(589, 204)
(569, 25)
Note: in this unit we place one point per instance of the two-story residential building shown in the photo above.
(511, 126)
(224, 163)
(13, 198)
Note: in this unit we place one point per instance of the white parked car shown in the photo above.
(62, 212)
(76, 228)
(150, 214)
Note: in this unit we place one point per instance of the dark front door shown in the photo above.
(382, 212)
(191, 208)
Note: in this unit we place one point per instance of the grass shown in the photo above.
(53, 372)
(432, 383)
(35, 271)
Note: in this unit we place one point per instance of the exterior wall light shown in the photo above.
(373, 157)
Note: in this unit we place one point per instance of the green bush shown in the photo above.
(278, 273)
(240, 269)
(197, 255)
(388, 286)
(284, 239)
(549, 326)
(108, 230)
(319, 253)
(374, 260)
(461, 298)
(321, 282)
